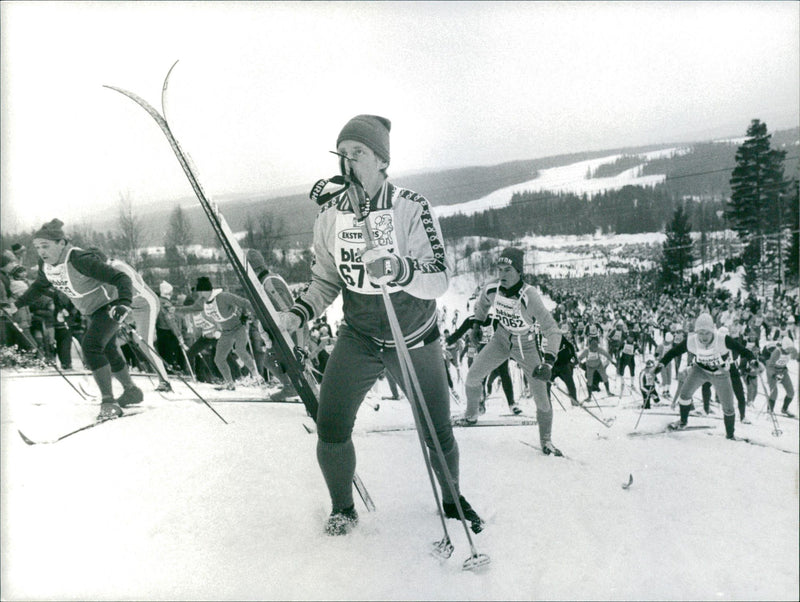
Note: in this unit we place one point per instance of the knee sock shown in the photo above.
(730, 422)
(124, 377)
(545, 420)
(102, 376)
(338, 464)
(685, 409)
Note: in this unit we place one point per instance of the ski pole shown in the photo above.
(413, 390)
(606, 423)
(766, 394)
(132, 332)
(777, 432)
(39, 352)
(644, 402)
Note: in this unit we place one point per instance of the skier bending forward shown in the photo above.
(522, 320)
(712, 357)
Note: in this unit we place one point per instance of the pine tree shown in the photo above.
(755, 210)
(792, 203)
(677, 249)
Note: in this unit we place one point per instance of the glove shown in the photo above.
(658, 368)
(382, 266)
(9, 307)
(543, 371)
(288, 321)
(475, 333)
(119, 312)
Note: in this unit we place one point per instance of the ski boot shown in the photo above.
(341, 522)
(130, 396)
(451, 511)
(226, 387)
(109, 410)
(548, 448)
(465, 421)
(785, 410)
(164, 387)
(515, 409)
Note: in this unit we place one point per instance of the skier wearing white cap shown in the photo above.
(712, 357)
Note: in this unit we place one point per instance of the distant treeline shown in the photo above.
(699, 178)
(630, 210)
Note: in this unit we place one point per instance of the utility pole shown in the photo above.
(780, 243)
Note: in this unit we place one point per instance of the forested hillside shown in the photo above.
(703, 171)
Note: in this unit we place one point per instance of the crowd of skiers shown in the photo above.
(392, 327)
(753, 341)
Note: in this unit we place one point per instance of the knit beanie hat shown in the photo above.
(52, 230)
(7, 258)
(203, 284)
(513, 257)
(371, 130)
(165, 288)
(704, 322)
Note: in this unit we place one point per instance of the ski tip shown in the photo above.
(26, 439)
(629, 483)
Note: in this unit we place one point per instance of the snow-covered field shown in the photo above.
(173, 504)
(568, 178)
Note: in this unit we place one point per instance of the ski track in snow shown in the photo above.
(174, 504)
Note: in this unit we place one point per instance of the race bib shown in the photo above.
(58, 276)
(508, 313)
(350, 244)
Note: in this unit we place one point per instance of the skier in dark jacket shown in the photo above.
(102, 294)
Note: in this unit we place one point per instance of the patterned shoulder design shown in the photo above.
(338, 202)
(412, 196)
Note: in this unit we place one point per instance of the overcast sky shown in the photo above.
(262, 89)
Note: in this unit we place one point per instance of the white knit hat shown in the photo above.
(165, 288)
(704, 322)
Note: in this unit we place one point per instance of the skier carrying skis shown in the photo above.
(410, 260)
(712, 355)
(526, 332)
(102, 294)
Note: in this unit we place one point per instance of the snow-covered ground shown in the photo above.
(173, 504)
(567, 178)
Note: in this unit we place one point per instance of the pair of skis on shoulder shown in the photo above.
(263, 306)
